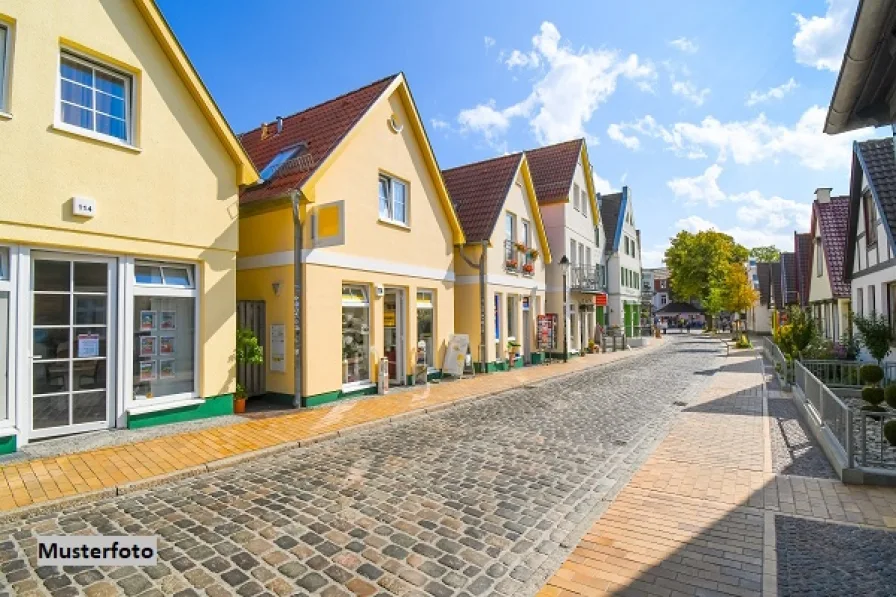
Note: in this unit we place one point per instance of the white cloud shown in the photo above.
(439, 124)
(654, 257)
(695, 224)
(615, 133)
(689, 91)
(684, 44)
(756, 140)
(602, 185)
(573, 85)
(748, 237)
(489, 42)
(820, 41)
(517, 58)
(776, 93)
(699, 189)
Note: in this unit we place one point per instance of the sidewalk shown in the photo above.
(46, 482)
(736, 500)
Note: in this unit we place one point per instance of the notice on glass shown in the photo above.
(278, 347)
(88, 346)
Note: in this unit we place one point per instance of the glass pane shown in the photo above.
(164, 359)
(51, 309)
(75, 71)
(89, 342)
(399, 200)
(89, 407)
(90, 310)
(51, 343)
(424, 332)
(49, 378)
(77, 116)
(52, 275)
(4, 263)
(91, 277)
(110, 105)
(4, 352)
(148, 274)
(89, 375)
(77, 94)
(385, 211)
(110, 84)
(176, 276)
(2, 65)
(112, 127)
(50, 411)
(355, 344)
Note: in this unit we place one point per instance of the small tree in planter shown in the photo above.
(872, 393)
(250, 353)
(875, 335)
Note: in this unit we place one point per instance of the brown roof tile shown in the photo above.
(478, 191)
(833, 218)
(553, 168)
(319, 128)
(802, 248)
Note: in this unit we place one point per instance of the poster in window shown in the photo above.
(147, 370)
(148, 346)
(168, 320)
(166, 344)
(166, 369)
(88, 346)
(147, 321)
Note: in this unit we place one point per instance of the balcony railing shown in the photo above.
(587, 278)
(518, 258)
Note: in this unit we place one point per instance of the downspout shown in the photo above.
(298, 288)
(483, 332)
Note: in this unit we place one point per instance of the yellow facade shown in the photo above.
(375, 255)
(169, 193)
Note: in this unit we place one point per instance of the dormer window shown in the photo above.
(281, 158)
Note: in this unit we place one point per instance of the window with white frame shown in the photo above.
(5, 294)
(355, 334)
(819, 260)
(584, 203)
(575, 197)
(527, 235)
(393, 199)
(860, 302)
(94, 97)
(5, 44)
(425, 321)
(164, 350)
(510, 227)
(572, 251)
(597, 237)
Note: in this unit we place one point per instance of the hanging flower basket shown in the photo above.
(520, 247)
(512, 264)
(533, 253)
(528, 268)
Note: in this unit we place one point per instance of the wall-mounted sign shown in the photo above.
(83, 207)
(88, 346)
(600, 300)
(278, 347)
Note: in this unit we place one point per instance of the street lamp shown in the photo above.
(564, 265)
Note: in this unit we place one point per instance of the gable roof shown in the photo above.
(612, 211)
(479, 191)
(246, 173)
(553, 169)
(322, 131)
(833, 219)
(802, 248)
(789, 280)
(875, 158)
(769, 274)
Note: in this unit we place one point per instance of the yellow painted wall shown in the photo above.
(174, 198)
(265, 230)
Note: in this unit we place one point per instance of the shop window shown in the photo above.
(164, 350)
(425, 322)
(393, 200)
(94, 97)
(355, 334)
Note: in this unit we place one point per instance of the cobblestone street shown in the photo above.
(485, 498)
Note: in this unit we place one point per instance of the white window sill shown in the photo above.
(5, 115)
(394, 223)
(88, 134)
(140, 407)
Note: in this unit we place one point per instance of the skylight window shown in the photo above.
(278, 161)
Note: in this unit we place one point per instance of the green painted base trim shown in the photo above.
(518, 363)
(335, 395)
(211, 407)
(537, 358)
(8, 444)
(434, 375)
(278, 397)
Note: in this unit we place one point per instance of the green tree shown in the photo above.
(700, 267)
(769, 254)
(875, 335)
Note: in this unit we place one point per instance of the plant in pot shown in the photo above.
(872, 393)
(520, 247)
(250, 353)
(592, 347)
(533, 254)
(512, 263)
(513, 350)
(528, 268)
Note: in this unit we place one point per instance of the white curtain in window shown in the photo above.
(399, 201)
(385, 211)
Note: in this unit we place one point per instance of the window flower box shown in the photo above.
(529, 269)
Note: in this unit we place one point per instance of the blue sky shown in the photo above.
(711, 112)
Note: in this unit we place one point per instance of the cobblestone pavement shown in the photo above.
(794, 451)
(469, 501)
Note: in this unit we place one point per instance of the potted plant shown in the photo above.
(513, 349)
(250, 353)
(512, 264)
(528, 268)
(592, 347)
(520, 247)
(533, 253)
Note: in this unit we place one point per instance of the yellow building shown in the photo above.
(497, 300)
(116, 307)
(357, 177)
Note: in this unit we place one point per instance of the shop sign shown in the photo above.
(600, 300)
(88, 346)
(389, 319)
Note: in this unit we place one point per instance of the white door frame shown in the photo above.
(26, 296)
(400, 332)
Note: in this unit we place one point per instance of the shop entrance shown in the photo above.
(527, 332)
(72, 344)
(394, 334)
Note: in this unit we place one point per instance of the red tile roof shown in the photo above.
(478, 192)
(553, 168)
(319, 128)
(833, 217)
(802, 248)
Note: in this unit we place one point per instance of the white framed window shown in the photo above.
(860, 301)
(572, 251)
(7, 333)
(597, 237)
(5, 52)
(426, 310)
(584, 199)
(575, 197)
(510, 227)
(165, 301)
(872, 307)
(355, 334)
(526, 238)
(581, 254)
(95, 98)
(393, 200)
(819, 260)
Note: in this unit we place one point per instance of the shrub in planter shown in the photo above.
(890, 392)
(871, 374)
(873, 395)
(890, 432)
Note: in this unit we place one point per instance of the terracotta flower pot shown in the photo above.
(239, 405)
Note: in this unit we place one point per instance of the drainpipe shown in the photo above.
(481, 266)
(298, 288)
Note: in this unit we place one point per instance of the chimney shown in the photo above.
(823, 194)
(280, 130)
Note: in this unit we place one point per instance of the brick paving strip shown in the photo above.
(736, 500)
(50, 483)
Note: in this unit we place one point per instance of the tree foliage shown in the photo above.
(769, 254)
(875, 335)
(738, 294)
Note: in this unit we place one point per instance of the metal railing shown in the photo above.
(845, 374)
(783, 366)
(873, 449)
(828, 410)
(589, 278)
